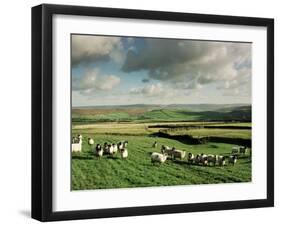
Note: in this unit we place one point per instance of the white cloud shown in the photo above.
(93, 81)
(149, 90)
(192, 64)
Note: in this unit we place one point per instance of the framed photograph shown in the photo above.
(145, 112)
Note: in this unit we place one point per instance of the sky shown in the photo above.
(111, 70)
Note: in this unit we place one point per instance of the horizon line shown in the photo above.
(159, 104)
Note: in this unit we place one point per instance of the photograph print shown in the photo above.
(152, 112)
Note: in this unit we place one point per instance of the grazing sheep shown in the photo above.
(91, 141)
(154, 145)
(204, 159)
(80, 137)
(99, 150)
(124, 153)
(168, 151)
(105, 148)
(158, 157)
(122, 145)
(125, 143)
(77, 147)
(173, 153)
(110, 149)
(197, 159)
(163, 148)
(212, 159)
(221, 160)
(178, 153)
(232, 159)
(115, 148)
(190, 158)
(235, 150)
(243, 150)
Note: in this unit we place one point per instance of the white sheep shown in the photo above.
(77, 147)
(232, 159)
(124, 153)
(212, 159)
(235, 150)
(115, 148)
(204, 159)
(164, 148)
(125, 143)
(122, 144)
(110, 149)
(91, 141)
(197, 159)
(243, 150)
(74, 140)
(99, 150)
(154, 145)
(221, 160)
(105, 148)
(190, 158)
(80, 137)
(158, 157)
(178, 153)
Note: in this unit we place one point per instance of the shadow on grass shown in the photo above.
(112, 157)
(81, 157)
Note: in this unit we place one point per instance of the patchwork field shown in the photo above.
(141, 127)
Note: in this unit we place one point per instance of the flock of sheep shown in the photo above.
(164, 154)
(199, 159)
(99, 151)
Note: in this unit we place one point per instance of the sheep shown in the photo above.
(212, 159)
(232, 159)
(190, 158)
(173, 153)
(243, 150)
(122, 144)
(168, 151)
(105, 148)
(178, 153)
(154, 145)
(99, 151)
(221, 160)
(80, 137)
(91, 141)
(124, 153)
(115, 148)
(110, 149)
(77, 147)
(163, 148)
(235, 150)
(158, 157)
(197, 159)
(204, 159)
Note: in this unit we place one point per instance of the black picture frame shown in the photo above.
(42, 111)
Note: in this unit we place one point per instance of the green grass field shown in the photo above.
(155, 115)
(89, 172)
(141, 126)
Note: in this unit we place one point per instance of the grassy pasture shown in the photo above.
(89, 172)
(140, 127)
(154, 115)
